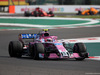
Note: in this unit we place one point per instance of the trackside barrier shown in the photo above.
(56, 8)
(12, 9)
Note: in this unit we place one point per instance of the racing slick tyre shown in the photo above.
(51, 13)
(15, 49)
(35, 14)
(27, 13)
(80, 48)
(35, 50)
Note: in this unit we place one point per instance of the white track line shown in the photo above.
(94, 58)
(22, 25)
(84, 40)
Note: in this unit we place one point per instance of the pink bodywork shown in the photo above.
(58, 45)
(61, 48)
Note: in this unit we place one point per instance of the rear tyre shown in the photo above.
(51, 13)
(79, 13)
(36, 49)
(15, 49)
(27, 13)
(35, 14)
(80, 48)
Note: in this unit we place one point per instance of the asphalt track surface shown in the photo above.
(27, 66)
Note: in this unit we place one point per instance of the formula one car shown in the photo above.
(91, 11)
(42, 45)
(39, 12)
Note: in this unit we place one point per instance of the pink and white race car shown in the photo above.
(42, 45)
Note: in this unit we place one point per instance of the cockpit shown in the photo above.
(46, 34)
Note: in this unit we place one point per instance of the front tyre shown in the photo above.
(36, 49)
(15, 49)
(80, 48)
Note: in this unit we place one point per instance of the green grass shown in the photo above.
(41, 21)
(88, 16)
(82, 16)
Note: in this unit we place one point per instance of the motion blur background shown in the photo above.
(64, 2)
(4, 4)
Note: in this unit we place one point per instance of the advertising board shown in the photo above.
(56, 8)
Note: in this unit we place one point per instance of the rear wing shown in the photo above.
(27, 36)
